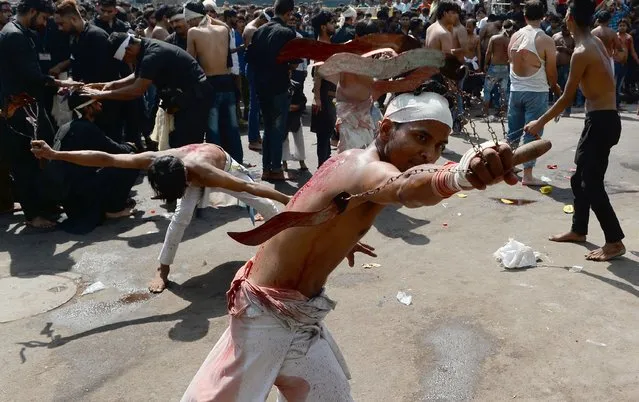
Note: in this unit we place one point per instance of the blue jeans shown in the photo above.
(223, 109)
(562, 79)
(524, 107)
(620, 74)
(497, 74)
(254, 108)
(275, 114)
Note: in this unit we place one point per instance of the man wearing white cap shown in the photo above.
(346, 29)
(186, 96)
(276, 302)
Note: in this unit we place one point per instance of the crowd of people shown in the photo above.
(106, 90)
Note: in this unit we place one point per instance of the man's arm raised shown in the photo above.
(429, 184)
(210, 176)
(93, 158)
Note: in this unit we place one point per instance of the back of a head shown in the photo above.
(229, 13)
(603, 17)
(160, 13)
(196, 7)
(492, 18)
(445, 6)
(167, 177)
(533, 10)
(67, 8)
(148, 13)
(173, 11)
(41, 6)
(115, 40)
(581, 11)
(508, 25)
(282, 7)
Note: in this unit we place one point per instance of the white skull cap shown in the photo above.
(408, 107)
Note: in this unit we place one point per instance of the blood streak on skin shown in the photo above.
(319, 180)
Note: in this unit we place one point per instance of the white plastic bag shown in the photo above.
(516, 255)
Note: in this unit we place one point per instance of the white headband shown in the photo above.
(79, 107)
(268, 17)
(406, 108)
(349, 13)
(189, 15)
(119, 54)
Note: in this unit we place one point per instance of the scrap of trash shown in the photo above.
(404, 298)
(370, 265)
(516, 255)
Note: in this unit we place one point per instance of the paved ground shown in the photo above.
(474, 330)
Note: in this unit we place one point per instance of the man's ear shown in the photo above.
(386, 127)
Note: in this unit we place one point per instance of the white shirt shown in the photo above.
(236, 62)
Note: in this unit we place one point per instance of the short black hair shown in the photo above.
(74, 100)
(174, 10)
(41, 6)
(167, 177)
(366, 27)
(445, 6)
(533, 10)
(603, 16)
(148, 13)
(116, 39)
(229, 13)
(107, 3)
(581, 12)
(282, 7)
(160, 13)
(321, 18)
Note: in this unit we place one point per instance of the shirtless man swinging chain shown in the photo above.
(185, 173)
(276, 301)
(590, 69)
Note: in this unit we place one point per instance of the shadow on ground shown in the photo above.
(34, 253)
(206, 293)
(396, 225)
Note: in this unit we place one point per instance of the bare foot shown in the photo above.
(40, 223)
(161, 280)
(121, 214)
(258, 218)
(571, 237)
(607, 252)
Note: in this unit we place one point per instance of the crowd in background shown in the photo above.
(132, 121)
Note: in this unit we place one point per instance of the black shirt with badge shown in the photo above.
(20, 73)
(176, 40)
(168, 66)
(90, 56)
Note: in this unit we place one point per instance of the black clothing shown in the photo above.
(118, 25)
(323, 123)
(344, 34)
(602, 129)
(86, 193)
(176, 40)
(297, 99)
(91, 60)
(21, 72)
(168, 66)
(271, 77)
(186, 94)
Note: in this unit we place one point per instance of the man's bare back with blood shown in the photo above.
(209, 44)
(488, 31)
(205, 166)
(497, 49)
(591, 71)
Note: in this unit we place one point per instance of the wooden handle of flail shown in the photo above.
(531, 151)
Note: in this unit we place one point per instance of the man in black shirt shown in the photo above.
(20, 74)
(180, 82)
(106, 18)
(179, 26)
(88, 194)
(91, 62)
(272, 83)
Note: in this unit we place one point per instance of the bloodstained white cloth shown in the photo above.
(275, 337)
(357, 124)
